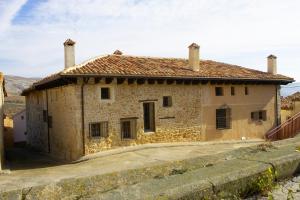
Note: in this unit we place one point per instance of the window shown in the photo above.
(105, 93)
(223, 118)
(232, 91)
(246, 91)
(45, 115)
(128, 128)
(50, 121)
(259, 115)
(149, 117)
(219, 91)
(99, 129)
(22, 117)
(167, 101)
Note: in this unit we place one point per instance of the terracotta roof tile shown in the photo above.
(124, 65)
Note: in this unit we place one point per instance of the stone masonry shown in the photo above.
(190, 118)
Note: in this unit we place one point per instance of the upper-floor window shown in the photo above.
(232, 91)
(105, 93)
(223, 118)
(167, 101)
(246, 90)
(219, 91)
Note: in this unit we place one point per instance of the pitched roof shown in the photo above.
(116, 65)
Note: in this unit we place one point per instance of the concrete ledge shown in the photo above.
(202, 177)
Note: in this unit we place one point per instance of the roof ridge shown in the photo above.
(83, 63)
(153, 57)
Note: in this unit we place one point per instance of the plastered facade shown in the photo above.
(192, 116)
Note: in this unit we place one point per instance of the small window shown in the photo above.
(105, 93)
(45, 115)
(259, 115)
(22, 117)
(246, 91)
(219, 91)
(262, 115)
(128, 128)
(232, 91)
(50, 121)
(167, 101)
(99, 129)
(223, 118)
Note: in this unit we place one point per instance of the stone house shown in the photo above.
(120, 100)
(2, 94)
(290, 106)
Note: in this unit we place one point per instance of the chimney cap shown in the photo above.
(194, 45)
(118, 52)
(272, 56)
(69, 42)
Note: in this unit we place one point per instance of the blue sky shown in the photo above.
(233, 31)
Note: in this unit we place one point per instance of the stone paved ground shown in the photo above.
(29, 169)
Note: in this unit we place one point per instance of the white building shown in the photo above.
(19, 127)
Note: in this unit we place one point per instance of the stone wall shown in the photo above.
(178, 123)
(1, 119)
(192, 116)
(8, 134)
(63, 140)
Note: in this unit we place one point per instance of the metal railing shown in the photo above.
(288, 129)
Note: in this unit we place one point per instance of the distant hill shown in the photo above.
(290, 89)
(15, 84)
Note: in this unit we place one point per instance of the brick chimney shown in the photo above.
(272, 64)
(194, 57)
(69, 53)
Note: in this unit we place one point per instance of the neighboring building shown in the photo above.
(290, 106)
(19, 127)
(2, 94)
(8, 133)
(119, 100)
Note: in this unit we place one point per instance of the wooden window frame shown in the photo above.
(102, 129)
(232, 91)
(260, 115)
(223, 122)
(167, 101)
(246, 90)
(132, 134)
(219, 91)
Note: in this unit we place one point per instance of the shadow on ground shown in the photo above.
(22, 158)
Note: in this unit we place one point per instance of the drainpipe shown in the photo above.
(48, 129)
(82, 114)
(277, 114)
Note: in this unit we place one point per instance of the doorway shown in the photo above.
(149, 117)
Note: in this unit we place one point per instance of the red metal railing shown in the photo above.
(288, 129)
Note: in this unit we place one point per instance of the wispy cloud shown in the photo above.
(8, 10)
(234, 31)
